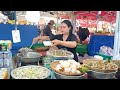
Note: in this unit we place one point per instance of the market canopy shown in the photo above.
(89, 18)
(109, 16)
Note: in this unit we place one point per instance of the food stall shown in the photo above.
(41, 61)
(62, 69)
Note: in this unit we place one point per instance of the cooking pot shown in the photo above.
(29, 57)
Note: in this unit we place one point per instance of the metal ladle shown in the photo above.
(24, 52)
(35, 42)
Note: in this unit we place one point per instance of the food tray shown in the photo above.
(117, 62)
(30, 67)
(87, 61)
(53, 66)
(71, 56)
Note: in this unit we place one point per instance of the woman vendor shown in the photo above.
(65, 40)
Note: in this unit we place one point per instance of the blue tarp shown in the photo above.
(27, 33)
(97, 41)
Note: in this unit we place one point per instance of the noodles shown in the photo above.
(30, 72)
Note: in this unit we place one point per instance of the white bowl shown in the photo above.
(47, 43)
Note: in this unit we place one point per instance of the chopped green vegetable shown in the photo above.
(90, 64)
(83, 69)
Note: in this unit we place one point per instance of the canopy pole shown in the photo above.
(110, 27)
(74, 22)
(15, 17)
(57, 20)
(117, 38)
(99, 12)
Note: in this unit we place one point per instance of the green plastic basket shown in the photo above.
(37, 45)
(105, 57)
(81, 48)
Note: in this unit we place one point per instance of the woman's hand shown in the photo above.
(35, 40)
(56, 42)
(44, 38)
(40, 38)
(70, 44)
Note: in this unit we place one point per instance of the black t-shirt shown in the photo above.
(47, 31)
(71, 37)
(83, 33)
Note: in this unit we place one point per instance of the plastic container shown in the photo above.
(1, 63)
(5, 45)
(46, 61)
(6, 61)
(1, 55)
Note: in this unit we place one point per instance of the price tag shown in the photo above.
(16, 36)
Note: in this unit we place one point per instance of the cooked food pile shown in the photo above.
(30, 72)
(117, 62)
(102, 65)
(70, 66)
(42, 48)
(25, 49)
(60, 52)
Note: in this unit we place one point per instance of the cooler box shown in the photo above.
(96, 41)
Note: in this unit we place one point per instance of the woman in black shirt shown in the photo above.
(65, 40)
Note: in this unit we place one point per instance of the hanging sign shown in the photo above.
(16, 36)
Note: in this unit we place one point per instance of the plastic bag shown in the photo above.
(106, 50)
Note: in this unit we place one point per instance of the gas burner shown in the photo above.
(24, 64)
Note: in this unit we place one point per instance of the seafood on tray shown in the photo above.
(60, 53)
(101, 65)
